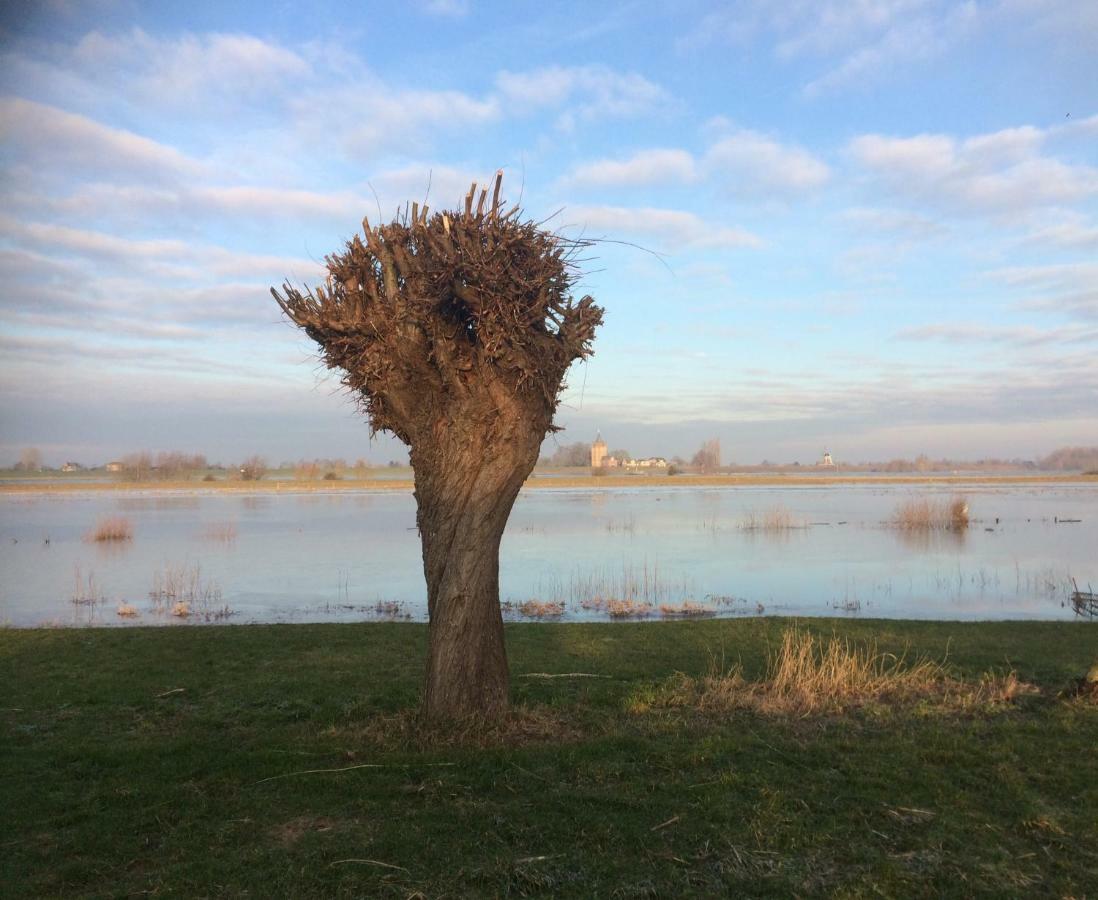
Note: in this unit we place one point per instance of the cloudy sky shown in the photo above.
(867, 226)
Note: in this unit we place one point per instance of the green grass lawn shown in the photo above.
(148, 761)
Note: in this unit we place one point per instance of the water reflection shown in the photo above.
(925, 540)
(163, 502)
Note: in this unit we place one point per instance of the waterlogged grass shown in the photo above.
(284, 761)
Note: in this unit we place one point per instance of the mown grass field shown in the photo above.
(180, 762)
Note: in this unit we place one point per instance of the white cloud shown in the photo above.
(674, 228)
(82, 146)
(174, 259)
(269, 202)
(189, 68)
(1068, 288)
(1018, 335)
(647, 167)
(316, 99)
(1000, 173)
(898, 222)
(913, 40)
(371, 117)
(854, 41)
(1072, 232)
(589, 92)
(750, 163)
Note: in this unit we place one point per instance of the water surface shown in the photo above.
(354, 555)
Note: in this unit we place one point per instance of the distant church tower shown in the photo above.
(827, 460)
(598, 452)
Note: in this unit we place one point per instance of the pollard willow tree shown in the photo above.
(455, 331)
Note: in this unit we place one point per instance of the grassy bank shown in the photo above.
(183, 762)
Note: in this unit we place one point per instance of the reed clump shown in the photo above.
(86, 591)
(775, 519)
(921, 514)
(628, 609)
(688, 609)
(391, 609)
(112, 528)
(809, 676)
(539, 609)
(183, 591)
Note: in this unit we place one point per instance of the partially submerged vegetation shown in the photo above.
(127, 754)
(183, 592)
(775, 519)
(922, 514)
(111, 528)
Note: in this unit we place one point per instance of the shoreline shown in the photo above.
(536, 482)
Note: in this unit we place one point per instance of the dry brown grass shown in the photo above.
(808, 676)
(686, 610)
(537, 609)
(920, 514)
(618, 608)
(127, 611)
(776, 518)
(112, 528)
(628, 609)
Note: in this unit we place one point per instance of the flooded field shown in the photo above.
(649, 553)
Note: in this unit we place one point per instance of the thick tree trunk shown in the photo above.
(465, 488)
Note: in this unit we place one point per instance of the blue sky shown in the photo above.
(870, 227)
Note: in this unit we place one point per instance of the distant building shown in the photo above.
(71, 467)
(113, 467)
(598, 452)
(652, 462)
(827, 461)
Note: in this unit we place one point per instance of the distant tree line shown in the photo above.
(178, 466)
(577, 454)
(165, 466)
(1071, 458)
(327, 469)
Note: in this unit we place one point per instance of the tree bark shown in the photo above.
(466, 485)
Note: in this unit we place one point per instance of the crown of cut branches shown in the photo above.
(434, 313)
